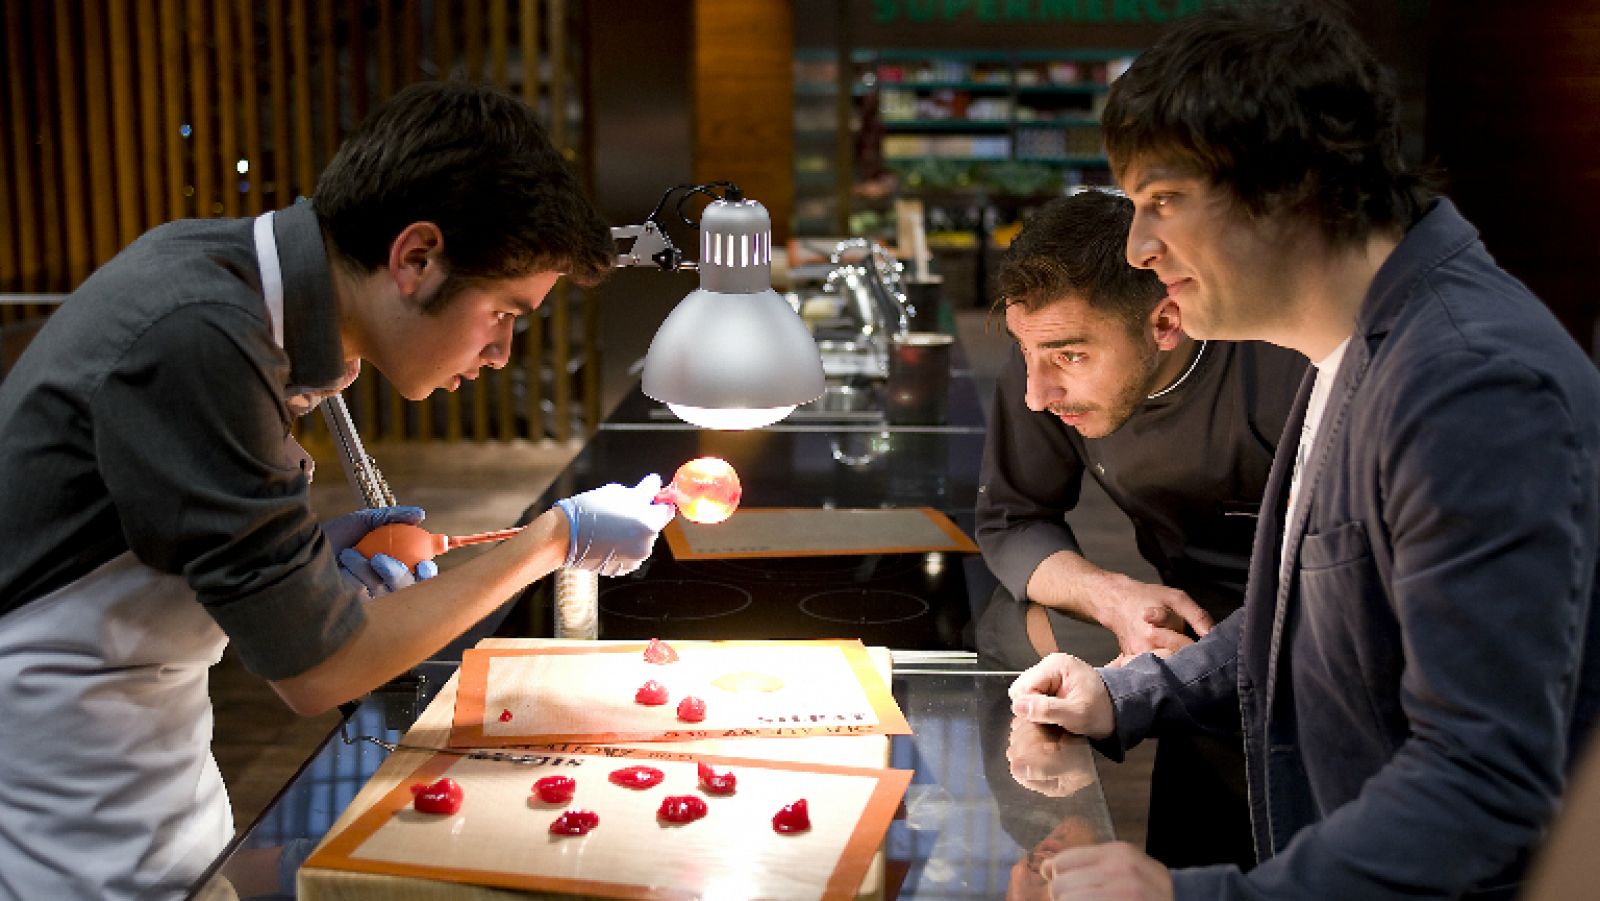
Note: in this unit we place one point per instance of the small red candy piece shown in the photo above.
(715, 783)
(691, 710)
(658, 651)
(681, 809)
(792, 818)
(443, 797)
(555, 789)
(574, 822)
(640, 777)
(505, 716)
(651, 694)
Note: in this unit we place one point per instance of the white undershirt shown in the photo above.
(1327, 370)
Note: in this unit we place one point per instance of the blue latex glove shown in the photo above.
(383, 573)
(613, 527)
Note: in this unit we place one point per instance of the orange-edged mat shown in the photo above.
(500, 837)
(546, 695)
(814, 532)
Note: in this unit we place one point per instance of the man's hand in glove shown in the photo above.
(613, 527)
(383, 573)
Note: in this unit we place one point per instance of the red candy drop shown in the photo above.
(651, 694)
(691, 710)
(792, 818)
(505, 716)
(715, 783)
(640, 777)
(681, 809)
(574, 822)
(658, 651)
(443, 797)
(555, 789)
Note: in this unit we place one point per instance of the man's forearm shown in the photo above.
(404, 627)
(1144, 617)
(1067, 582)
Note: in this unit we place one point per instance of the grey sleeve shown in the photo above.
(1194, 690)
(191, 435)
(1029, 479)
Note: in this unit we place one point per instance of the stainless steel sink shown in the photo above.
(857, 359)
(844, 400)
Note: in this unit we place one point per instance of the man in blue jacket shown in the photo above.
(1416, 664)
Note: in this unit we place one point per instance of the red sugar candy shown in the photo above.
(442, 797)
(640, 777)
(792, 818)
(574, 822)
(681, 809)
(658, 651)
(691, 710)
(651, 694)
(555, 789)
(715, 783)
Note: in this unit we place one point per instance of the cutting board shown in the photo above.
(586, 693)
(432, 730)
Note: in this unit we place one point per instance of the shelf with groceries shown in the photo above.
(979, 136)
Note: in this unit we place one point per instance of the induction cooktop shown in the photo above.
(895, 600)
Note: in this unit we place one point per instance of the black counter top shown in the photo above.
(920, 601)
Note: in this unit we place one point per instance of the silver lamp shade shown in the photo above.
(733, 354)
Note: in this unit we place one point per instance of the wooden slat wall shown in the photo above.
(123, 114)
(744, 100)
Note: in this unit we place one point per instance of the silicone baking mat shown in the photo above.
(808, 532)
(500, 836)
(535, 696)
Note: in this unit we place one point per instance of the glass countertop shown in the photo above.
(990, 799)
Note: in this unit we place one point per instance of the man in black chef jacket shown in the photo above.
(1179, 433)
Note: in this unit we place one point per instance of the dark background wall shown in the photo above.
(1504, 98)
(1513, 117)
(640, 59)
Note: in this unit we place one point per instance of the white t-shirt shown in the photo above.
(1327, 370)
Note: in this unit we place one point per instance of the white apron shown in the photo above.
(108, 789)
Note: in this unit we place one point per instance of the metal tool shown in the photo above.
(392, 746)
(359, 467)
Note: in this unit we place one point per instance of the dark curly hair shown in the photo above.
(474, 161)
(1283, 105)
(1077, 245)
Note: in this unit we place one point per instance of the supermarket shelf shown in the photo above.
(946, 124)
(1038, 89)
(1058, 123)
(1069, 161)
(1002, 87)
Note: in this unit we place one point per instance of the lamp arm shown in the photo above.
(651, 245)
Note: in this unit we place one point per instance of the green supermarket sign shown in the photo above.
(1036, 12)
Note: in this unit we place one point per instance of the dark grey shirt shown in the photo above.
(149, 415)
(1188, 468)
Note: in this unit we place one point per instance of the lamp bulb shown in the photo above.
(730, 418)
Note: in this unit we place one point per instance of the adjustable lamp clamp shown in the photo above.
(651, 244)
